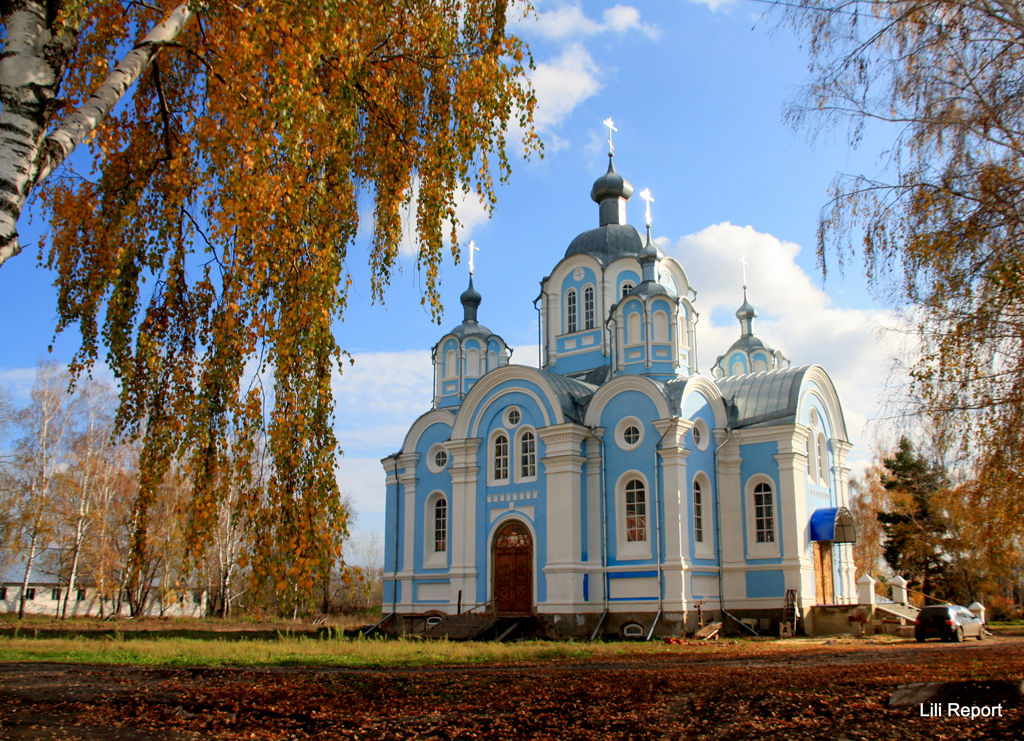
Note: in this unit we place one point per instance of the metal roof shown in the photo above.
(833, 523)
(573, 395)
(613, 239)
(768, 398)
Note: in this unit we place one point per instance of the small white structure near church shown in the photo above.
(616, 489)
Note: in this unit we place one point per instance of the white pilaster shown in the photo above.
(465, 475)
(407, 481)
(563, 466)
(676, 501)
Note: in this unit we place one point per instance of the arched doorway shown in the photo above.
(513, 570)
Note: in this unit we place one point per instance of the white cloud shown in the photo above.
(715, 5)
(470, 210)
(795, 316)
(569, 20)
(562, 84)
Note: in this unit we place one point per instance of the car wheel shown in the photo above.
(920, 639)
(958, 637)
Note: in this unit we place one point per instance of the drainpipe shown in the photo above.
(657, 523)
(718, 520)
(540, 341)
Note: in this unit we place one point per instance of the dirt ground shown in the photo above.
(823, 690)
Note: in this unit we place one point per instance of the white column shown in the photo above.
(465, 475)
(731, 510)
(594, 539)
(848, 570)
(899, 589)
(676, 499)
(407, 480)
(563, 466)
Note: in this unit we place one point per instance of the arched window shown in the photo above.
(500, 464)
(451, 364)
(528, 455)
(588, 308)
(473, 362)
(660, 326)
(698, 513)
(764, 517)
(633, 328)
(570, 311)
(441, 525)
(636, 511)
(626, 288)
(809, 450)
(822, 459)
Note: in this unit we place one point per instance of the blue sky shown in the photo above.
(696, 90)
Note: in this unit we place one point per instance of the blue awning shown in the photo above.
(833, 523)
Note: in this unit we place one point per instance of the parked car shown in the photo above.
(948, 622)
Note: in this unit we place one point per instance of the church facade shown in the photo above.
(616, 489)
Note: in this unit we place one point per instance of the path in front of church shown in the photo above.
(780, 690)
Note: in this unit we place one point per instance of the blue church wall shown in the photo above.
(525, 500)
(763, 584)
(702, 461)
(618, 461)
(427, 483)
(580, 352)
(624, 277)
(759, 458)
(392, 512)
(740, 358)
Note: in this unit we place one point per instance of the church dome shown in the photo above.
(611, 185)
(613, 239)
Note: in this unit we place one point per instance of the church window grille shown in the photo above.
(636, 511)
(528, 455)
(441, 459)
(822, 459)
(698, 514)
(501, 458)
(626, 288)
(441, 526)
(570, 311)
(631, 435)
(514, 416)
(588, 308)
(696, 437)
(764, 518)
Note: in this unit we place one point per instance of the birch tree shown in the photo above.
(40, 454)
(204, 227)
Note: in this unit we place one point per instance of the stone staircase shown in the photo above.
(464, 627)
(906, 612)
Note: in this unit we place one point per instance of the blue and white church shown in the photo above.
(616, 489)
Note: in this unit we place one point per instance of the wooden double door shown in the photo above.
(513, 570)
(824, 589)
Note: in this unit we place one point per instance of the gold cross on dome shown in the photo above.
(646, 195)
(611, 127)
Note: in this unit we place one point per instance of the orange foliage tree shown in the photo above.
(207, 243)
(941, 228)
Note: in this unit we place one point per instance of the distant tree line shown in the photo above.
(69, 486)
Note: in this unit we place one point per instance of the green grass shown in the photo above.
(300, 651)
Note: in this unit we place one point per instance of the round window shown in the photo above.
(696, 436)
(577, 274)
(701, 434)
(437, 458)
(629, 433)
(513, 417)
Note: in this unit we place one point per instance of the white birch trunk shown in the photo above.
(31, 69)
(28, 573)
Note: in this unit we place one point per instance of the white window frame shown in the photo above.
(823, 459)
(630, 550)
(520, 434)
(768, 549)
(620, 433)
(589, 307)
(433, 558)
(432, 453)
(571, 311)
(700, 426)
(492, 480)
(706, 547)
(625, 287)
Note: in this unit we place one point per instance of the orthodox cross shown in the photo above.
(611, 127)
(646, 195)
(472, 248)
(743, 262)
